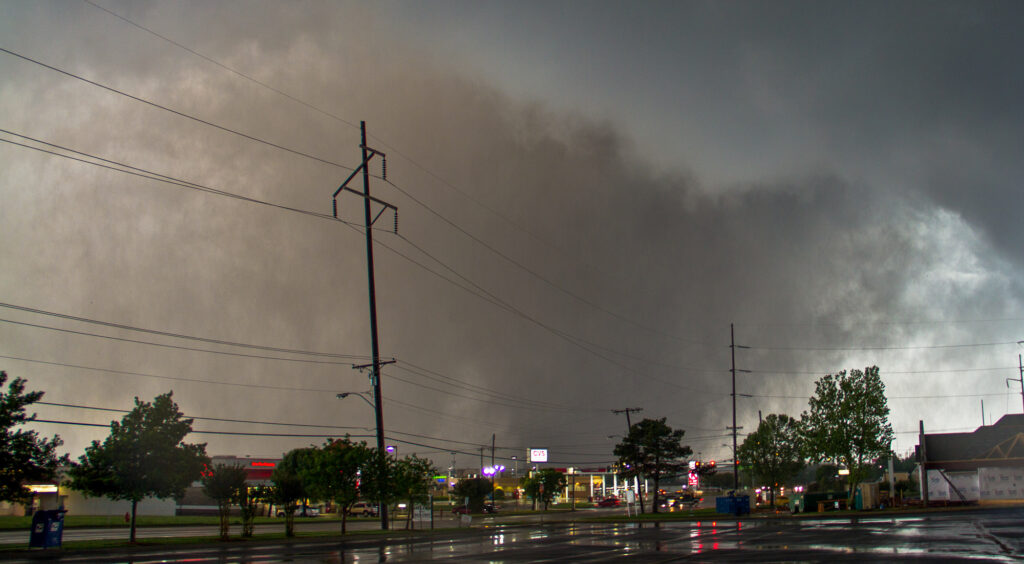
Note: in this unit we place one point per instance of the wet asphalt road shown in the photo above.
(981, 535)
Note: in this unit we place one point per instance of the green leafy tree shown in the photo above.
(774, 451)
(413, 477)
(223, 484)
(143, 456)
(476, 489)
(287, 491)
(249, 499)
(848, 422)
(24, 456)
(377, 478)
(551, 482)
(531, 488)
(333, 473)
(653, 450)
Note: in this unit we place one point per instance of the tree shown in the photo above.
(654, 450)
(223, 483)
(476, 489)
(333, 472)
(287, 490)
(531, 487)
(848, 422)
(377, 481)
(249, 499)
(144, 456)
(412, 479)
(774, 451)
(551, 482)
(24, 456)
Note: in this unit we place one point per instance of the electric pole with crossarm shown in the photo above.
(378, 409)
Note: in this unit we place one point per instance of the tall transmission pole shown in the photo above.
(1020, 363)
(735, 459)
(378, 408)
(627, 411)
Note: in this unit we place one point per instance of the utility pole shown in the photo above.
(1020, 363)
(493, 470)
(735, 459)
(923, 464)
(378, 407)
(627, 411)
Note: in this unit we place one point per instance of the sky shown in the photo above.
(589, 195)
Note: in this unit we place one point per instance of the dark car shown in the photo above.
(609, 502)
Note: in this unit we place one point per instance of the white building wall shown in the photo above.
(1001, 483)
(967, 482)
(938, 489)
(78, 504)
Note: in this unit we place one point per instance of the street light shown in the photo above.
(491, 471)
(360, 395)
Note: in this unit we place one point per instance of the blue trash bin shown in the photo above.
(47, 529)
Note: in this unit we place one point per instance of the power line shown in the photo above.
(532, 272)
(935, 371)
(219, 419)
(884, 348)
(221, 65)
(576, 341)
(480, 292)
(178, 347)
(414, 163)
(177, 335)
(204, 432)
(173, 378)
(150, 175)
(424, 205)
(173, 111)
(276, 423)
(437, 376)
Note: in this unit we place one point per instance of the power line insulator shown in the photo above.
(334, 203)
(384, 168)
(396, 222)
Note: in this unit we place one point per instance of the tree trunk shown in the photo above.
(248, 520)
(224, 511)
(289, 523)
(654, 500)
(344, 518)
(131, 536)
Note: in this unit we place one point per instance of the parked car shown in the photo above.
(299, 512)
(609, 502)
(363, 508)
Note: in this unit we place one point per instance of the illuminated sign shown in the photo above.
(538, 455)
(42, 488)
(263, 464)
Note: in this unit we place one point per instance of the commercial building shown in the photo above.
(984, 465)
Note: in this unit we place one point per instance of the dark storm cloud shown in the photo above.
(832, 253)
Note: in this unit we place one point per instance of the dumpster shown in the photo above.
(733, 504)
(47, 528)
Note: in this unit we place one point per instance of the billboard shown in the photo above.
(538, 455)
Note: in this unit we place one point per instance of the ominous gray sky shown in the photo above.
(589, 193)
